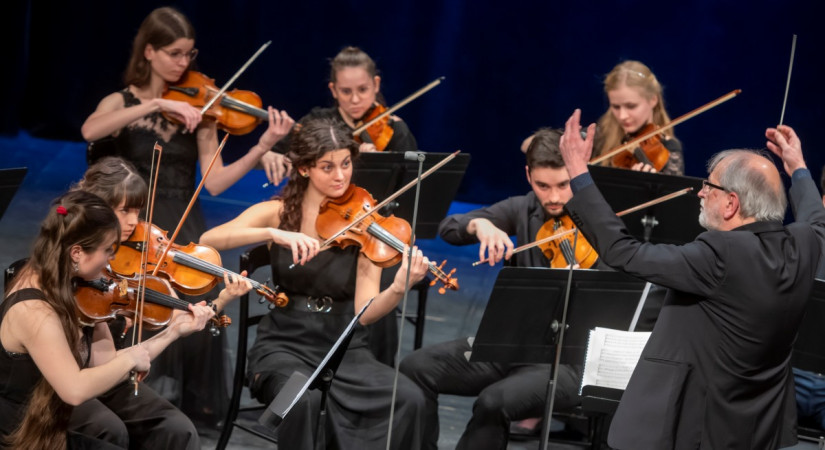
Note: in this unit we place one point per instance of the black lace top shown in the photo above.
(180, 151)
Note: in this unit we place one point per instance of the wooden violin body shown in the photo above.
(560, 251)
(650, 151)
(381, 239)
(237, 112)
(380, 132)
(193, 269)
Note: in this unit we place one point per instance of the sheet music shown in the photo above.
(611, 357)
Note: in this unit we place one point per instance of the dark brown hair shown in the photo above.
(88, 222)
(544, 149)
(354, 57)
(160, 28)
(314, 139)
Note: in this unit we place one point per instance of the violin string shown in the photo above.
(390, 239)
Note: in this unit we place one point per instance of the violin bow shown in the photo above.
(234, 77)
(562, 234)
(191, 203)
(137, 336)
(629, 146)
(788, 82)
(398, 105)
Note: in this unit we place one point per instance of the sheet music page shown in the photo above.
(611, 357)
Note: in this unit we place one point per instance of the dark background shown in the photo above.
(511, 67)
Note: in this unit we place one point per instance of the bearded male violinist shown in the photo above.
(715, 372)
(506, 392)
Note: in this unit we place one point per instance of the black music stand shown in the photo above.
(384, 173)
(321, 379)
(10, 181)
(521, 319)
(672, 222)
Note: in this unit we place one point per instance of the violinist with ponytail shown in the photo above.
(49, 362)
(635, 101)
(325, 289)
(356, 90)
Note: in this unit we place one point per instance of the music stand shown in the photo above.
(321, 379)
(521, 319)
(384, 173)
(10, 181)
(672, 222)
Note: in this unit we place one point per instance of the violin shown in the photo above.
(560, 252)
(193, 269)
(650, 151)
(237, 112)
(104, 298)
(381, 239)
(379, 131)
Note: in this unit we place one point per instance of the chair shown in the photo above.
(251, 260)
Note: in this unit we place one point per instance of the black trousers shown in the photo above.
(505, 392)
(128, 421)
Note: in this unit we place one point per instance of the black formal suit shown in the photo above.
(715, 373)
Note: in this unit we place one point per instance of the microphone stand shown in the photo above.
(410, 156)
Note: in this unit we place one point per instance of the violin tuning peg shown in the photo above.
(214, 330)
(441, 290)
(432, 283)
(261, 300)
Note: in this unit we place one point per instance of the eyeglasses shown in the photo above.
(706, 185)
(177, 55)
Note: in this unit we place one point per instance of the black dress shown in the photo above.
(296, 339)
(192, 372)
(19, 376)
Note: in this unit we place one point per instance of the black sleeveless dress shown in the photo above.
(296, 339)
(19, 375)
(192, 373)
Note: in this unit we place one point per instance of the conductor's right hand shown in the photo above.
(494, 242)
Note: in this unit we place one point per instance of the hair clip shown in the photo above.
(61, 210)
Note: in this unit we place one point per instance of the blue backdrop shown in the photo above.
(511, 67)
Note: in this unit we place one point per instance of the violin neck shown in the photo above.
(209, 268)
(566, 248)
(161, 299)
(388, 238)
(244, 107)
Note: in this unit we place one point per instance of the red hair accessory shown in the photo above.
(62, 210)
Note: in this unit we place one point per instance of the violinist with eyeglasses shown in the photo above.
(508, 393)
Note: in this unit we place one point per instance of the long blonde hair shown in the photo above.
(632, 74)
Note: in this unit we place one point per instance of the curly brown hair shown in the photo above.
(312, 141)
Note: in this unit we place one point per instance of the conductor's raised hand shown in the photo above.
(576, 150)
(784, 142)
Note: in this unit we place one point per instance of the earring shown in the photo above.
(305, 174)
(75, 267)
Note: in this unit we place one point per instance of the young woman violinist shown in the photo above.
(162, 52)
(325, 290)
(356, 88)
(48, 361)
(118, 416)
(636, 100)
